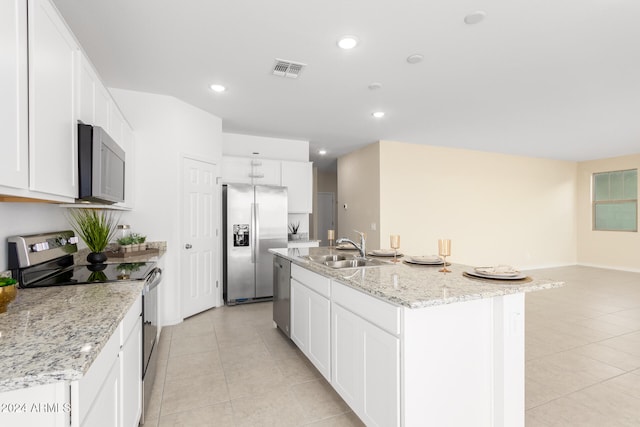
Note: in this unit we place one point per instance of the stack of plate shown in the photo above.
(500, 272)
(383, 252)
(424, 260)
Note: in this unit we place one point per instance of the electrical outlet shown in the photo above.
(373, 226)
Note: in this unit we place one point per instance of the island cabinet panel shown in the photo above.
(53, 64)
(465, 355)
(366, 367)
(311, 318)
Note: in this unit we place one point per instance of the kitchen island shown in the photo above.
(407, 345)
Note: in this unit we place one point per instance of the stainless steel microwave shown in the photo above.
(101, 163)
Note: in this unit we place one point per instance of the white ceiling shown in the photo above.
(548, 78)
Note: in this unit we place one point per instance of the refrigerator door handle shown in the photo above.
(256, 232)
(253, 233)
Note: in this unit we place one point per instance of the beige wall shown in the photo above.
(359, 188)
(496, 208)
(615, 249)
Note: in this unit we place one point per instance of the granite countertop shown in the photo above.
(54, 334)
(414, 286)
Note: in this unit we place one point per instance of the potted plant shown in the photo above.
(293, 230)
(96, 227)
(125, 244)
(139, 239)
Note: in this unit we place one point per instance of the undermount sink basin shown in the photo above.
(346, 261)
(328, 258)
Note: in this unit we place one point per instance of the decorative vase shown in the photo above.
(96, 267)
(7, 294)
(96, 258)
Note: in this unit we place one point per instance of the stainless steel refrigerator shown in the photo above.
(254, 220)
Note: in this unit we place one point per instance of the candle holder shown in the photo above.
(394, 241)
(444, 250)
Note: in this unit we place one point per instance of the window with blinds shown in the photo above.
(615, 200)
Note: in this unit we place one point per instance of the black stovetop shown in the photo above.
(59, 274)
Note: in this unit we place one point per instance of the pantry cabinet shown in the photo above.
(53, 60)
(14, 170)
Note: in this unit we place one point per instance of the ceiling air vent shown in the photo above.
(290, 69)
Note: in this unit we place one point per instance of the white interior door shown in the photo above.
(326, 212)
(200, 259)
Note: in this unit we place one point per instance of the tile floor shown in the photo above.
(229, 367)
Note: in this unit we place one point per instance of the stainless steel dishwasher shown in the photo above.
(282, 294)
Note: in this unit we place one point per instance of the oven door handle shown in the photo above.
(153, 280)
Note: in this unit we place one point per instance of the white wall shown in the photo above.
(166, 129)
(234, 144)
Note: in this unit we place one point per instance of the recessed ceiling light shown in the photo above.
(217, 88)
(348, 42)
(415, 58)
(475, 17)
(378, 114)
(322, 152)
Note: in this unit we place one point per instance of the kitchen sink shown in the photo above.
(328, 258)
(346, 261)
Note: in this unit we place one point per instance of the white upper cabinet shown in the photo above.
(53, 59)
(94, 101)
(298, 178)
(247, 170)
(14, 170)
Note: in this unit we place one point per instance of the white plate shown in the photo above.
(382, 252)
(494, 277)
(412, 260)
(500, 270)
(429, 259)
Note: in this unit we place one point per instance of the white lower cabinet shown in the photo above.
(311, 317)
(130, 358)
(366, 368)
(110, 392)
(333, 326)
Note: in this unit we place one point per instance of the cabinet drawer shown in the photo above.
(380, 313)
(311, 280)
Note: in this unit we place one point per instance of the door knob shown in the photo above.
(188, 246)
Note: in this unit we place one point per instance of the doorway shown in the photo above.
(326, 215)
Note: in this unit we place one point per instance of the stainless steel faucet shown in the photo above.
(362, 247)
